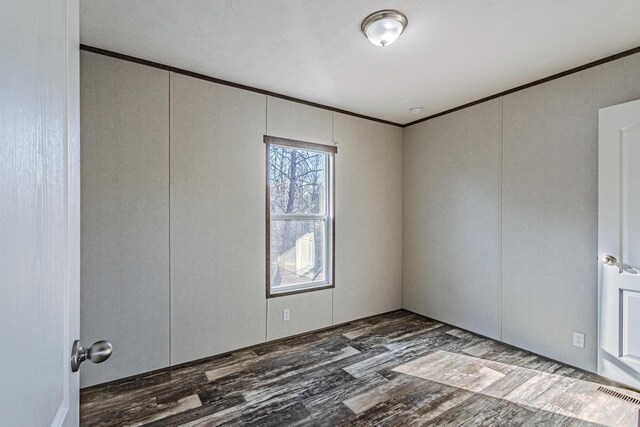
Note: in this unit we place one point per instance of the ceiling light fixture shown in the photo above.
(384, 27)
(416, 110)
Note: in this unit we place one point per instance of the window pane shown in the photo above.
(296, 180)
(297, 252)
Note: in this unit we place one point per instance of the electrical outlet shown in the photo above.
(285, 315)
(578, 339)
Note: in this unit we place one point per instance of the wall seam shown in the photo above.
(333, 291)
(402, 224)
(500, 223)
(266, 300)
(170, 257)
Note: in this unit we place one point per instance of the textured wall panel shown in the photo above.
(368, 218)
(217, 218)
(125, 215)
(451, 218)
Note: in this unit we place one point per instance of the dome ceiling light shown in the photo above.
(384, 27)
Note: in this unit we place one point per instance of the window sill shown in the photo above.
(271, 294)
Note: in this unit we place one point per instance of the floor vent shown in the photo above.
(618, 395)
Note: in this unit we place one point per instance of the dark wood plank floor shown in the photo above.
(394, 369)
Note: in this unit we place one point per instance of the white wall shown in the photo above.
(550, 210)
(214, 300)
(308, 311)
(451, 243)
(547, 212)
(124, 215)
(217, 218)
(368, 218)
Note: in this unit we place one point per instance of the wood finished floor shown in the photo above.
(394, 369)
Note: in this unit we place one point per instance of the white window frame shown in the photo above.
(327, 217)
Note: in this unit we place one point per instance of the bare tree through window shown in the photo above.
(298, 194)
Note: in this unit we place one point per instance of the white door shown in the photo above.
(619, 243)
(39, 212)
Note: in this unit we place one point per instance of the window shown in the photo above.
(299, 216)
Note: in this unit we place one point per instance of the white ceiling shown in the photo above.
(453, 51)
